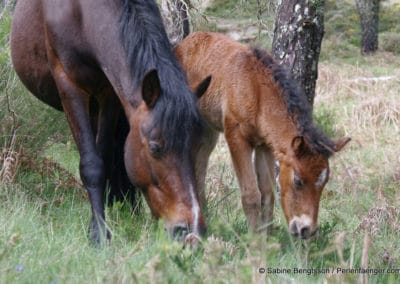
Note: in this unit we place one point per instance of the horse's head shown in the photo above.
(302, 177)
(163, 171)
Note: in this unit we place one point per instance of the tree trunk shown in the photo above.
(176, 19)
(369, 16)
(299, 28)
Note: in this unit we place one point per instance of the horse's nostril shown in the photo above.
(179, 232)
(293, 229)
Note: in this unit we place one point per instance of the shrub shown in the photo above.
(390, 42)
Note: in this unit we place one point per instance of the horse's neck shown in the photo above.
(102, 34)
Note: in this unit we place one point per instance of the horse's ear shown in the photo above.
(151, 88)
(299, 146)
(340, 143)
(202, 87)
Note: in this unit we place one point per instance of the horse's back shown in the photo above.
(28, 52)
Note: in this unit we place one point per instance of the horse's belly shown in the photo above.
(28, 52)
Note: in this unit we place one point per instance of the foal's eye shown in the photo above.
(156, 149)
(298, 183)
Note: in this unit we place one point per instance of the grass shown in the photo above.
(45, 212)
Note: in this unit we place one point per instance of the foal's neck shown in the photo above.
(276, 125)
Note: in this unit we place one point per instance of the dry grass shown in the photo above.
(379, 217)
(363, 97)
(9, 162)
(367, 110)
(9, 155)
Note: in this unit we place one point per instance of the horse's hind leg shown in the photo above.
(264, 164)
(105, 118)
(112, 130)
(241, 153)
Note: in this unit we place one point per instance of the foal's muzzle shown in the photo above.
(302, 227)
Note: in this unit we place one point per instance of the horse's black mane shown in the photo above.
(147, 46)
(297, 105)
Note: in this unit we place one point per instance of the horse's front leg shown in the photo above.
(75, 103)
(241, 153)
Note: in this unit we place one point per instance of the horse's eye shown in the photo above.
(156, 149)
(298, 183)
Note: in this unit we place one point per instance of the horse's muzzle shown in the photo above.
(183, 234)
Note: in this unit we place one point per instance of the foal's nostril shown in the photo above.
(305, 232)
(179, 232)
(300, 230)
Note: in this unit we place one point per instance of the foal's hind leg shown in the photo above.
(241, 153)
(264, 164)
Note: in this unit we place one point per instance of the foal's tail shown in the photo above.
(120, 188)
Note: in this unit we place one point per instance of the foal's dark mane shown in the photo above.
(297, 105)
(147, 46)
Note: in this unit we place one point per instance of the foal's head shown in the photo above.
(302, 177)
(158, 159)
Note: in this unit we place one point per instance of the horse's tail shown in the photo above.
(120, 188)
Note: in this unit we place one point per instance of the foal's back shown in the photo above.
(238, 77)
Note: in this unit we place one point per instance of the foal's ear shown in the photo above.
(340, 143)
(151, 88)
(299, 146)
(202, 87)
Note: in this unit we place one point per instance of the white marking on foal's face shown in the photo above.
(277, 182)
(322, 178)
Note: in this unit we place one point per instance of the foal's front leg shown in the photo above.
(75, 102)
(264, 164)
(241, 153)
(202, 154)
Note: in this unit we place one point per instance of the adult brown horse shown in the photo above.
(260, 110)
(94, 59)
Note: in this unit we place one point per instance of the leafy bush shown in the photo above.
(390, 41)
(389, 18)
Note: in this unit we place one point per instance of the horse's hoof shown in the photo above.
(99, 237)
